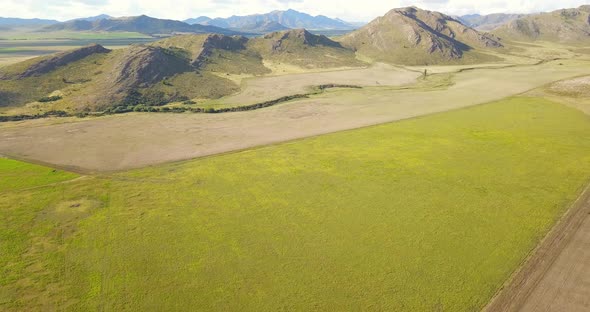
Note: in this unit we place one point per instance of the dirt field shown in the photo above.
(137, 140)
(566, 286)
(257, 90)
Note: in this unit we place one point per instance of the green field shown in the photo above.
(17, 175)
(428, 214)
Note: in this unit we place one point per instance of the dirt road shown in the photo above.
(556, 277)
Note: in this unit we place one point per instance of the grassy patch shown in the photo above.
(17, 175)
(425, 214)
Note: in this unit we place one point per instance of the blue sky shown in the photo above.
(363, 10)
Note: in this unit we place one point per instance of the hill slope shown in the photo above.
(304, 49)
(414, 36)
(289, 19)
(179, 68)
(567, 26)
(141, 24)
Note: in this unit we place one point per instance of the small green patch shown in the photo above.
(49, 99)
(18, 175)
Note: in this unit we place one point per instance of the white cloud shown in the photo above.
(349, 10)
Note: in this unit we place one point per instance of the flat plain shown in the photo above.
(96, 145)
(430, 213)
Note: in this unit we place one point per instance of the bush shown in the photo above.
(50, 99)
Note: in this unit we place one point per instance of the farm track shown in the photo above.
(555, 276)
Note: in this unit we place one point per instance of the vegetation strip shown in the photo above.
(151, 109)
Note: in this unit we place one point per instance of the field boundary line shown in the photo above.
(516, 290)
(45, 185)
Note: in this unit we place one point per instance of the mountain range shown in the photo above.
(488, 22)
(141, 24)
(15, 22)
(197, 66)
(288, 19)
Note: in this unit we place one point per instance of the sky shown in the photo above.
(354, 11)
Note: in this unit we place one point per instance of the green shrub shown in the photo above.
(50, 99)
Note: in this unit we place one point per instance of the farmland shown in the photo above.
(18, 175)
(412, 164)
(94, 145)
(388, 217)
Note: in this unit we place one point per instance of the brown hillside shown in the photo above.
(567, 26)
(415, 36)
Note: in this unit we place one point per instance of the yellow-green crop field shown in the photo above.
(428, 214)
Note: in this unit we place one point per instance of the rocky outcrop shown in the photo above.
(212, 42)
(299, 36)
(61, 59)
(140, 66)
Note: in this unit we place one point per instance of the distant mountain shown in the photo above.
(93, 18)
(414, 36)
(488, 22)
(289, 19)
(141, 24)
(12, 22)
(264, 27)
(566, 25)
(199, 20)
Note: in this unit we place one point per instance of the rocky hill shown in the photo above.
(414, 36)
(302, 48)
(566, 26)
(141, 24)
(178, 68)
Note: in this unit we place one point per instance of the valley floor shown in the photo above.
(136, 140)
(433, 212)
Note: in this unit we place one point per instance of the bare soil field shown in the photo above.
(566, 285)
(255, 90)
(137, 140)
